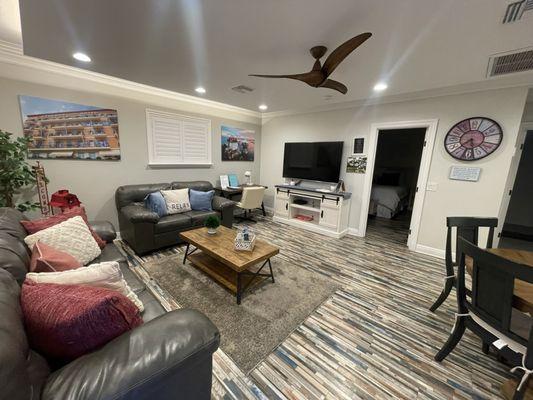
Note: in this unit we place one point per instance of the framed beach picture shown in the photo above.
(237, 144)
(63, 130)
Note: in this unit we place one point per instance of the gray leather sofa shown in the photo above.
(168, 357)
(144, 231)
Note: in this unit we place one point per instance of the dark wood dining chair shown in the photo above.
(468, 228)
(488, 310)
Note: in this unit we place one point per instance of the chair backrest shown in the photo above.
(467, 228)
(493, 281)
(252, 197)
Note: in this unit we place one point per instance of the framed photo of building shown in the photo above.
(237, 144)
(62, 130)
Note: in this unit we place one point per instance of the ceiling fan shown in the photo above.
(318, 76)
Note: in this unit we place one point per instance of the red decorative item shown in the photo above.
(64, 200)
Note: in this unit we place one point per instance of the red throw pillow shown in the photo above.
(64, 322)
(37, 225)
(45, 258)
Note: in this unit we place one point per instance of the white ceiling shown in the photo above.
(417, 45)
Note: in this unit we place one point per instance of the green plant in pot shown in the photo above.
(15, 173)
(212, 223)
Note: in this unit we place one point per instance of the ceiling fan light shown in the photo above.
(200, 90)
(263, 107)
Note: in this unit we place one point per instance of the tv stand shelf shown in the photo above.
(328, 211)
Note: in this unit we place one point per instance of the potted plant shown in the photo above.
(212, 223)
(15, 172)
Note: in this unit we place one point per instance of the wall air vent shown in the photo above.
(516, 10)
(518, 61)
(242, 89)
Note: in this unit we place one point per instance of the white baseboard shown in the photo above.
(354, 232)
(430, 251)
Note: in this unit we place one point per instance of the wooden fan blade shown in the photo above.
(311, 78)
(341, 52)
(331, 84)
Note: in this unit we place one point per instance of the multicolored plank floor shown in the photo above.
(374, 338)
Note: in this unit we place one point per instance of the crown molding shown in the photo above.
(520, 80)
(39, 71)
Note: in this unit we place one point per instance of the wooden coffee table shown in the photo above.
(225, 265)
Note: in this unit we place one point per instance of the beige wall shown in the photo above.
(95, 181)
(481, 198)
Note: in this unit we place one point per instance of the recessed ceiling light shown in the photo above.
(263, 107)
(200, 90)
(82, 57)
(380, 87)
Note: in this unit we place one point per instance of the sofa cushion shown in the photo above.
(14, 350)
(10, 222)
(152, 307)
(72, 236)
(198, 217)
(201, 201)
(129, 194)
(203, 186)
(37, 225)
(14, 256)
(175, 222)
(64, 322)
(45, 258)
(103, 275)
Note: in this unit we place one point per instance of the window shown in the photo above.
(175, 139)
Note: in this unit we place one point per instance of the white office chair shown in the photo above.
(252, 198)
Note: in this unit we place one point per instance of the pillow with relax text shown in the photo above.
(177, 200)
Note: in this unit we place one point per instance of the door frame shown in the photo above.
(423, 173)
(511, 177)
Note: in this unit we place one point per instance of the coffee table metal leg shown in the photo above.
(271, 273)
(186, 253)
(239, 288)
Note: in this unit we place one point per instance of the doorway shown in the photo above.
(394, 182)
(408, 202)
(517, 231)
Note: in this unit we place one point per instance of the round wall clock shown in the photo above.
(473, 138)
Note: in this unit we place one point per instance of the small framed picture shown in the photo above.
(358, 145)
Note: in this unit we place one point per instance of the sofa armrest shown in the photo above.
(104, 229)
(137, 213)
(149, 362)
(220, 203)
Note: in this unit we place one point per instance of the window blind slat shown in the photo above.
(176, 139)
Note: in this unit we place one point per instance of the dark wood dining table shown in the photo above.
(523, 291)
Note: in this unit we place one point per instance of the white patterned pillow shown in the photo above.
(177, 201)
(71, 236)
(103, 275)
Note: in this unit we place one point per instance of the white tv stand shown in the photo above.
(323, 212)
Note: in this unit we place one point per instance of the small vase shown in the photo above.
(211, 231)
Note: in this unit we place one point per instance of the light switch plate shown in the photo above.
(432, 186)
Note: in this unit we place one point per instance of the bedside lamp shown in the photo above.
(248, 176)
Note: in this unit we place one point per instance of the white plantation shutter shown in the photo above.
(175, 139)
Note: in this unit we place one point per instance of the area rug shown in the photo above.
(267, 314)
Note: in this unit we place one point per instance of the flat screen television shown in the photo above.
(315, 161)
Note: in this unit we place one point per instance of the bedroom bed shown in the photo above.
(387, 201)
